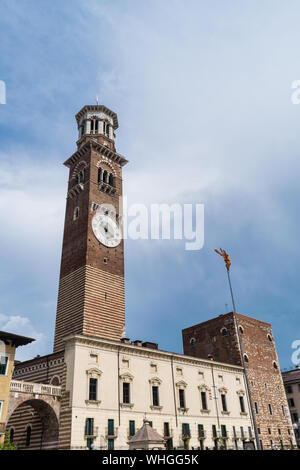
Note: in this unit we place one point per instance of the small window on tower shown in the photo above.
(275, 365)
(76, 213)
(246, 358)
(224, 332)
(100, 175)
(270, 338)
(241, 329)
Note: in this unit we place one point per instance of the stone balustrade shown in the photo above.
(35, 388)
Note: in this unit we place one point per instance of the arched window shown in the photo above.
(246, 358)
(275, 365)
(105, 176)
(100, 175)
(224, 332)
(241, 329)
(111, 179)
(270, 338)
(55, 381)
(94, 126)
(81, 176)
(28, 436)
(76, 213)
(193, 342)
(106, 129)
(11, 435)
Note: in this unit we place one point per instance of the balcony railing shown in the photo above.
(35, 388)
(93, 433)
(111, 433)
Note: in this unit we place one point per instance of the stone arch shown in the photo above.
(80, 166)
(105, 161)
(43, 420)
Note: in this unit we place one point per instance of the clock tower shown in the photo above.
(91, 299)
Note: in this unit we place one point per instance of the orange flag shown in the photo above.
(225, 256)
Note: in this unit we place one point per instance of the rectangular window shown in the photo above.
(3, 365)
(256, 407)
(249, 431)
(234, 431)
(155, 396)
(203, 401)
(289, 389)
(131, 428)
(111, 427)
(242, 431)
(298, 387)
(242, 404)
(166, 430)
(186, 429)
(181, 398)
(93, 389)
(89, 442)
(295, 417)
(1, 404)
(200, 430)
(270, 409)
(223, 430)
(110, 444)
(224, 404)
(283, 411)
(151, 424)
(126, 392)
(214, 431)
(291, 402)
(89, 426)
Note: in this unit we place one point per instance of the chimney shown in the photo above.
(137, 342)
(125, 340)
(148, 344)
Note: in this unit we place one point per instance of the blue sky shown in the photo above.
(203, 94)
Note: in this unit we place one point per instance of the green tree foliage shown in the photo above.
(7, 445)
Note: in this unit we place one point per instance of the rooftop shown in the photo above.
(16, 340)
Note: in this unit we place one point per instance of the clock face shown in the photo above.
(106, 230)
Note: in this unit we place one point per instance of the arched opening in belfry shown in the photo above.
(35, 426)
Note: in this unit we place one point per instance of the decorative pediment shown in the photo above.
(181, 384)
(240, 393)
(155, 381)
(94, 373)
(126, 377)
(203, 388)
(223, 390)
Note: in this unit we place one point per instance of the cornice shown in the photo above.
(102, 149)
(111, 345)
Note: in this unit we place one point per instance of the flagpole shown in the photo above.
(236, 322)
(244, 364)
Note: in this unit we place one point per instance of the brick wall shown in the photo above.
(263, 368)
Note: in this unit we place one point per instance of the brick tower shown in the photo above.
(91, 296)
(218, 339)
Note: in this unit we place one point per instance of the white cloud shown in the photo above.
(22, 326)
(31, 204)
